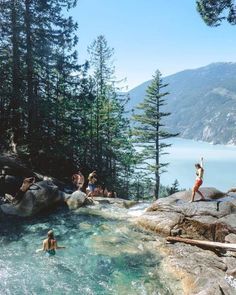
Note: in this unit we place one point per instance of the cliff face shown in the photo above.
(202, 103)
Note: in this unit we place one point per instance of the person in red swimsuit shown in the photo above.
(198, 181)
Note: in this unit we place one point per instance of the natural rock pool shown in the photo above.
(105, 254)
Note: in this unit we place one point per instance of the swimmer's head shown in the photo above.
(197, 165)
(50, 234)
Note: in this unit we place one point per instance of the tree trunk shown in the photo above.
(29, 63)
(16, 83)
(157, 170)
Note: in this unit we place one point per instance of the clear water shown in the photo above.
(104, 254)
(219, 164)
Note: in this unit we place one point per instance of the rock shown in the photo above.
(182, 198)
(129, 203)
(232, 272)
(201, 272)
(11, 165)
(160, 222)
(89, 201)
(40, 196)
(10, 184)
(212, 219)
(76, 200)
(231, 238)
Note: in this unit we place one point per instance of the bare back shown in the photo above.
(49, 245)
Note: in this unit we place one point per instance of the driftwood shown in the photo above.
(204, 244)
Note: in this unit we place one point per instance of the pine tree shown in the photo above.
(148, 131)
(174, 188)
(37, 60)
(213, 12)
(11, 74)
(103, 71)
(109, 127)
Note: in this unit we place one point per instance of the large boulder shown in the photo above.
(212, 219)
(76, 200)
(12, 173)
(40, 196)
(201, 272)
(10, 184)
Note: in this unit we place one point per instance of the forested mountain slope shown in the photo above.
(202, 102)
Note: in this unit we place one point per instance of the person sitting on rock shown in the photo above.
(78, 180)
(112, 194)
(50, 245)
(91, 184)
(27, 182)
(198, 181)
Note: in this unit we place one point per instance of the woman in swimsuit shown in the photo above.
(90, 190)
(198, 181)
(78, 180)
(50, 244)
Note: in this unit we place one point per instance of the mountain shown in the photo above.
(202, 103)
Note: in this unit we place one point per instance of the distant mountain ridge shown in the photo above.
(202, 103)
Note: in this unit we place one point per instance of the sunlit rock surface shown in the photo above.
(212, 219)
(201, 272)
(75, 200)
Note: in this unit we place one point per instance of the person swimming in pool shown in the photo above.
(198, 181)
(50, 245)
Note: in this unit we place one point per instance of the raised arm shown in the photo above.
(201, 162)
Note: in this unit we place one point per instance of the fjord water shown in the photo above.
(219, 164)
(104, 255)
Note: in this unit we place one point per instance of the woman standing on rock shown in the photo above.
(78, 180)
(198, 181)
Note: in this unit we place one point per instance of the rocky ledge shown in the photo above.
(200, 271)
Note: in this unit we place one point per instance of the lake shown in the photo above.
(219, 164)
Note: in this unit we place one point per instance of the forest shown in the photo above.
(59, 116)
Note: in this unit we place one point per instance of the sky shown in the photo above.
(147, 35)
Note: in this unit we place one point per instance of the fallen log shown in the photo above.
(205, 244)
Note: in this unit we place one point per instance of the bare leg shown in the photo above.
(23, 189)
(202, 197)
(27, 182)
(89, 194)
(193, 195)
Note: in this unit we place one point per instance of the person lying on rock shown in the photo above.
(27, 182)
(78, 180)
(198, 181)
(50, 245)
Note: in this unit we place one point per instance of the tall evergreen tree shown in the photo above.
(214, 12)
(46, 95)
(37, 62)
(109, 127)
(103, 71)
(148, 131)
